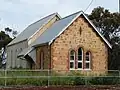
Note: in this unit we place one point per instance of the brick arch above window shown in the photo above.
(80, 46)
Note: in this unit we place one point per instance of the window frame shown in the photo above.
(74, 65)
(81, 60)
(88, 61)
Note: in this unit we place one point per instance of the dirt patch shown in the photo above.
(65, 88)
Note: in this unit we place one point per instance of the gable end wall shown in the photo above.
(71, 38)
(12, 60)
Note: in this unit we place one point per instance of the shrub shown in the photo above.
(62, 81)
(104, 80)
(79, 81)
(72, 78)
(2, 81)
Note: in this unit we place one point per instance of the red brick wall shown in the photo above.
(46, 50)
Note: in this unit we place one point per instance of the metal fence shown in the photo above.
(58, 77)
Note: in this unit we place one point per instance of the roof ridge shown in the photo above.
(50, 15)
(45, 23)
(71, 14)
(42, 18)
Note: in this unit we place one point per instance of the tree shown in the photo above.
(8, 30)
(5, 38)
(14, 33)
(108, 25)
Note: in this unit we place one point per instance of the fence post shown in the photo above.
(119, 77)
(5, 77)
(48, 77)
(85, 80)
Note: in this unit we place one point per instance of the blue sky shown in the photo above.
(18, 14)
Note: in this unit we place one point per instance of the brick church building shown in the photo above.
(69, 43)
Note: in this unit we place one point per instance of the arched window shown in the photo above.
(80, 58)
(41, 60)
(72, 59)
(87, 60)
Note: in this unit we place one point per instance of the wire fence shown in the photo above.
(58, 77)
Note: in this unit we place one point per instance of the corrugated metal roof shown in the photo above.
(25, 51)
(31, 29)
(31, 51)
(32, 54)
(54, 30)
(58, 27)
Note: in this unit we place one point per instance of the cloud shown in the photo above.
(12, 1)
(39, 1)
(20, 13)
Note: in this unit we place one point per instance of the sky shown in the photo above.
(18, 14)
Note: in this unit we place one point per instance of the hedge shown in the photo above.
(63, 81)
